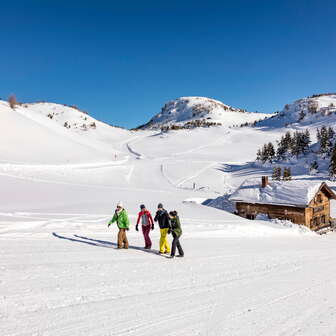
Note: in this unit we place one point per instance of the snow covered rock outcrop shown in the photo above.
(319, 108)
(189, 112)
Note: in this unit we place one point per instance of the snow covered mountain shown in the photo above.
(316, 109)
(188, 112)
(48, 133)
(310, 126)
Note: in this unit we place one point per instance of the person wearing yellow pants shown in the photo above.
(164, 246)
(164, 223)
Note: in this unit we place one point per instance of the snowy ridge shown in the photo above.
(187, 109)
(317, 109)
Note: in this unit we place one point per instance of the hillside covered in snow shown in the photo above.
(190, 112)
(61, 273)
(317, 109)
(55, 134)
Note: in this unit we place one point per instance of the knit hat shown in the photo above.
(160, 206)
(119, 204)
(142, 206)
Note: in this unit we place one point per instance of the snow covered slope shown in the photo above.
(317, 109)
(61, 274)
(55, 134)
(190, 109)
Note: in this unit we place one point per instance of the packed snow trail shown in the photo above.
(222, 287)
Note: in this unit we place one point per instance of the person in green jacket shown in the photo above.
(176, 231)
(121, 217)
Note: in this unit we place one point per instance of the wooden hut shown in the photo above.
(303, 202)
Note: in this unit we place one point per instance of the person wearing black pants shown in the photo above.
(176, 232)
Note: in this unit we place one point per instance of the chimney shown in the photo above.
(264, 181)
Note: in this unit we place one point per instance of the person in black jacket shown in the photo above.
(176, 231)
(164, 223)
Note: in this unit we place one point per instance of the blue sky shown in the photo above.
(122, 60)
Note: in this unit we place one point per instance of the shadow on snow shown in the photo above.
(100, 243)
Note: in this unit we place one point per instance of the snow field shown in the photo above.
(60, 271)
(75, 284)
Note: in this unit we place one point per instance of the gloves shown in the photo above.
(137, 227)
(152, 226)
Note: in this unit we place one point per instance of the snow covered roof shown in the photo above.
(292, 193)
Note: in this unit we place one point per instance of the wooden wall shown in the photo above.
(294, 214)
(318, 212)
(315, 216)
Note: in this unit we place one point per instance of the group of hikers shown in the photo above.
(169, 223)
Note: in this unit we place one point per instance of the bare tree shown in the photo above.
(12, 101)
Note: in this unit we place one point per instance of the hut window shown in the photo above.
(319, 198)
(318, 209)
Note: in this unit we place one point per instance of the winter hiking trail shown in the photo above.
(163, 159)
(218, 290)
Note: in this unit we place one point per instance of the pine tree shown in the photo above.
(281, 152)
(296, 148)
(331, 133)
(318, 135)
(258, 155)
(332, 164)
(306, 141)
(279, 171)
(270, 152)
(324, 142)
(287, 174)
(284, 146)
(287, 140)
(330, 142)
(264, 154)
(276, 175)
